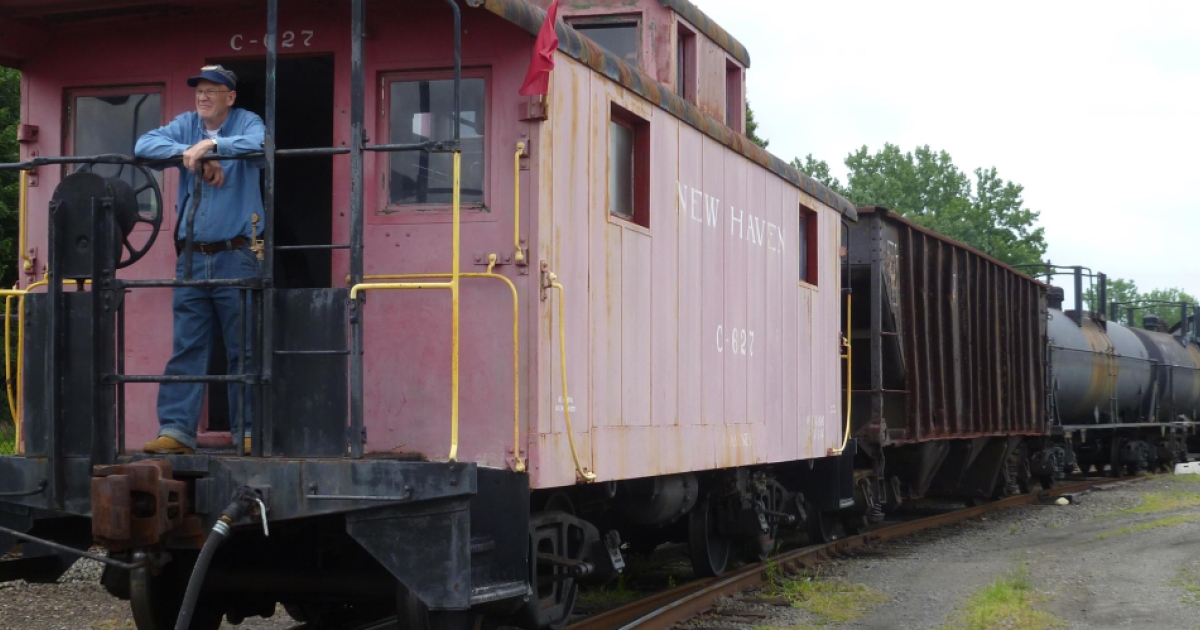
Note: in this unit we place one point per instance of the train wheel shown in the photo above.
(1115, 467)
(413, 614)
(708, 546)
(822, 526)
(155, 600)
(770, 502)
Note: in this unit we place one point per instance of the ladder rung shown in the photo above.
(289, 248)
(180, 378)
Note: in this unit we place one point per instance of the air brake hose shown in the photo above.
(243, 499)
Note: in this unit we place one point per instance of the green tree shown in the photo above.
(1125, 293)
(986, 212)
(1168, 313)
(819, 170)
(752, 128)
(10, 118)
(1120, 291)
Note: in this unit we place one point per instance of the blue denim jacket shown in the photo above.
(224, 213)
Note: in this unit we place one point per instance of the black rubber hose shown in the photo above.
(220, 531)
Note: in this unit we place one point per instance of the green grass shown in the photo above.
(1172, 499)
(1187, 582)
(1170, 521)
(8, 438)
(616, 593)
(1007, 604)
(832, 601)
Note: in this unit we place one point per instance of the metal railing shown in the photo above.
(257, 293)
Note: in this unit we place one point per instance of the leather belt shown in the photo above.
(236, 242)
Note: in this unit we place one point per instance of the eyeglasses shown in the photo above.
(210, 93)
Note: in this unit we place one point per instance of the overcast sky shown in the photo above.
(1093, 106)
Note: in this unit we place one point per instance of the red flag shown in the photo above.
(537, 81)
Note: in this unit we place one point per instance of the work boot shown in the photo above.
(166, 445)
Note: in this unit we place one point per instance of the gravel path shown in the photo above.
(78, 602)
(1125, 580)
(1082, 560)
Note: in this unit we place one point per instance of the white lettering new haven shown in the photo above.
(698, 206)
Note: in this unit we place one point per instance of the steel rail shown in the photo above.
(668, 608)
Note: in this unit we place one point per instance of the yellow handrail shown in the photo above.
(16, 407)
(8, 373)
(453, 285)
(562, 358)
(849, 364)
(518, 463)
(22, 210)
(519, 256)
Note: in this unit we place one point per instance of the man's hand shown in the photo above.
(213, 174)
(191, 157)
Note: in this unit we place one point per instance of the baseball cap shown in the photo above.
(216, 74)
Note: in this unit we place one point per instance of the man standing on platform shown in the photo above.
(221, 242)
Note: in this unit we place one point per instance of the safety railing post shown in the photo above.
(55, 309)
(262, 425)
(357, 107)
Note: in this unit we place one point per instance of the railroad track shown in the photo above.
(664, 610)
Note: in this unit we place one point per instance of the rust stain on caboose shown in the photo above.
(711, 29)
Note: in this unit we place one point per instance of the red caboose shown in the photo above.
(601, 309)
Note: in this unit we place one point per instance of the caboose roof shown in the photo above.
(530, 17)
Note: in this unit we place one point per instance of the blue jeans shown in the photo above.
(196, 310)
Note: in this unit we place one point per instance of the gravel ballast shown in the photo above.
(1089, 564)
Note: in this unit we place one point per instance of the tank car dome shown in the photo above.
(1055, 297)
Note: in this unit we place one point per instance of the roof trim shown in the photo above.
(899, 218)
(530, 18)
(711, 29)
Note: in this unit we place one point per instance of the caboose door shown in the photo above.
(308, 366)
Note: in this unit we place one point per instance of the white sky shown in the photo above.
(1093, 106)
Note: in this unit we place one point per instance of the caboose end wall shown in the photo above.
(409, 49)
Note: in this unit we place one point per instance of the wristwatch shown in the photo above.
(214, 141)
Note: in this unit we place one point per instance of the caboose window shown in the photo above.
(423, 110)
(619, 36)
(734, 118)
(685, 63)
(111, 121)
(808, 246)
(629, 166)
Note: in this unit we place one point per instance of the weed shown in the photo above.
(670, 581)
(617, 593)
(1005, 603)
(774, 574)
(833, 601)
(1152, 502)
(1170, 521)
(8, 438)
(1012, 529)
(1187, 581)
